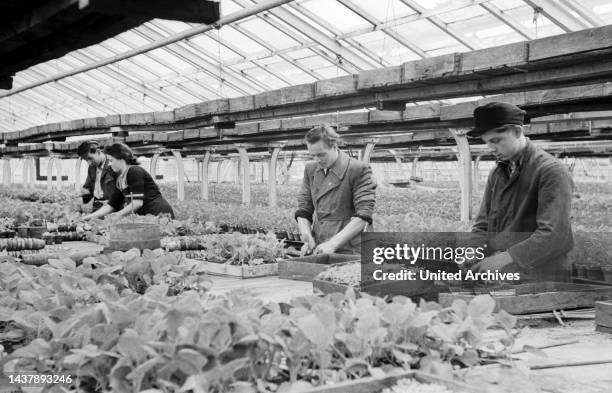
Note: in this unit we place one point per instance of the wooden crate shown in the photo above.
(244, 271)
(539, 297)
(307, 268)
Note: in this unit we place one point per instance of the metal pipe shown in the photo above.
(234, 17)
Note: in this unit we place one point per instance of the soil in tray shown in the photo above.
(307, 268)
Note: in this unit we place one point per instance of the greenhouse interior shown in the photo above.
(318, 196)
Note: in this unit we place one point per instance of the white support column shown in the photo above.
(198, 164)
(32, 180)
(50, 172)
(465, 172)
(237, 171)
(246, 178)
(25, 172)
(415, 162)
(77, 173)
(153, 165)
(180, 175)
(476, 181)
(272, 175)
(60, 169)
(203, 165)
(368, 150)
(219, 164)
(7, 174)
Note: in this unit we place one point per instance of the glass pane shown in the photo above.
(386, 47)
(462, 14)
(273, 36)
(384, 10)
(336, 14)
(428, 36)
(239, 40)
(543, 27)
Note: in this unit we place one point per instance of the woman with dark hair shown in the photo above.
(136, 188)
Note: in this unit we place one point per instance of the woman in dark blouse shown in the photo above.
(136, 188)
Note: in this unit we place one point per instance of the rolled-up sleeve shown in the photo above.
(305, 205)
(364, 194)
(553, 235)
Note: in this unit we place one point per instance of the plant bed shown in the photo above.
(307, 268)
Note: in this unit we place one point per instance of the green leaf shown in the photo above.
(481, 306)
(63, 263)
(505, 320)
(138, 374)
(315, 331)
(131, 344)
(37, 348)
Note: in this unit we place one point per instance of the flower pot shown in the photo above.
(607, 273)
(594, 273)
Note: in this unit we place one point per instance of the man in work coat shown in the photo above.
(336, 201)
(101, 179)
(526, 205)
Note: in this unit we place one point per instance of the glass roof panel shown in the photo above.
(462, 14)
(543, 27)
(273, 36)
(239, 40)
(434, 4)
(210, 46)
(386, 47)
(264, 77)
(290, 72)
(508, 4)
(336, 14)
(384, 10)
(428, 36)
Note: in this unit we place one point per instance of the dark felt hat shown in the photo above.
(494, 115)
(85, 147)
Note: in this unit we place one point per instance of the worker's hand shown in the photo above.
(494, 262)
(309, 244)
(328, 247)
(86, 217)
(82, 192)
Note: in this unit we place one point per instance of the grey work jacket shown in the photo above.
(330, 201)
(528, 214)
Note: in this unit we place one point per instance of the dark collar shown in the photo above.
(339, 166)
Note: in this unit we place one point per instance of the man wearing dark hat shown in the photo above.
(525, 210)
(101, 180)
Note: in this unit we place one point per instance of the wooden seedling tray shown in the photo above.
(327, 287)
(240, 271)
(539, 297)
(375, 385)
(307, 268)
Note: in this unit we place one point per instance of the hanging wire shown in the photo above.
(536, 15)
(221, 81)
